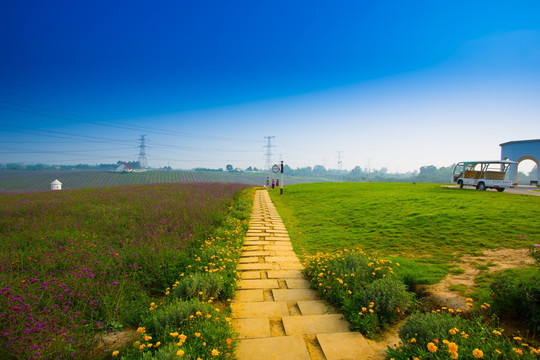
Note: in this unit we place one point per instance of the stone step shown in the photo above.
(314, 324)
(294, 294)
(273, 348)
(315, 307)
(258, 284)
(252, 328)
(285, 274)
(345, 346)
(242, 310)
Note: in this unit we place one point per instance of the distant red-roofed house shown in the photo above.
(124, 167)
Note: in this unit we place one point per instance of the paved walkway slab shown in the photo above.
(345, 346)
(258, 284)
(314, 324)
(285, 274)
(250, 275)
(242, 310)
(252, 328)
(297, 283)
(294, 294)
(249, 295)
(273, 348)
(315, 307)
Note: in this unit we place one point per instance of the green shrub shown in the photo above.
(168, 318)
(516, 294)
(382, 302)
(203, 286)
(442, 335)
(424, 327)
(366, 288)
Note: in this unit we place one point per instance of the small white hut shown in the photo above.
(56, 185)
(124, 167)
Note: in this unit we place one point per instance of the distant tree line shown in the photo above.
(426, 174)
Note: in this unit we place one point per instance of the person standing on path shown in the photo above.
(267, 182)
(273, 183)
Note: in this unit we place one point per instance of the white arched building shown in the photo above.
(521, 150)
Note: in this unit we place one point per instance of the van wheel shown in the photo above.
(460, 182)
(500, 189)
(481, 186)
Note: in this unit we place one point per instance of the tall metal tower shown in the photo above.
(268, 154)
(142, 153)
(340, 165)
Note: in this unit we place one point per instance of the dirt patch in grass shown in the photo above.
(115, 340)
(494, 260)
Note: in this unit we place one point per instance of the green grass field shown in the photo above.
(425, 222)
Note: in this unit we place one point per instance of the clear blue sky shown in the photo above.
(389, 84)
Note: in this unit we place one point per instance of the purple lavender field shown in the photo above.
(77, 263)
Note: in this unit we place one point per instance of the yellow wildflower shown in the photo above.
(141, 330)
(174, 334)
(518, 351)
(214, 352)
(180, 352)
(497, 332)
(517, 338)
(197, 334)
(116, 352)
(432, 347)
(413, 340)
(147, 337)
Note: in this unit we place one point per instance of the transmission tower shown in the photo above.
(142, 153)
(268, 154)
(340, 165)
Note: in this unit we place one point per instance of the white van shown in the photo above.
(483, 174)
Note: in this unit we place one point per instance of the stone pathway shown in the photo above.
(275, 312)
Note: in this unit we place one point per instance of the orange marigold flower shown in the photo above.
(214, 352)
(432, 347)
(229, 341)
(477, 353)
(180, 352)
(116, 352)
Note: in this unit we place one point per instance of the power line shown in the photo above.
(100, 122)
